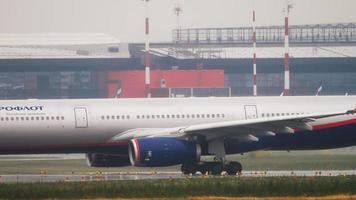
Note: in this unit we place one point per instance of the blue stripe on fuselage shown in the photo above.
(335, 137)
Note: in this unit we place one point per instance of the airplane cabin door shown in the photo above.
(251, 112)
(81, 117)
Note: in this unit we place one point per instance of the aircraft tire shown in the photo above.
(217, 169)
(234, 168)
(189, 168)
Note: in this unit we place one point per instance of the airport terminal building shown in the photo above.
(198, 62)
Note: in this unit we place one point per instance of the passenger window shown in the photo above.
(143, 117)
(42, 118)
(272, 114)
(113, 117)
(11, 118)
(107, 117)
(127, 116)
(188, 116)
(263, 115)
(202, 116)
(213, 115)
(32, 118)
(198, 116)
(122, 117)
(193, 116)
(167, 116)
(157, 116)
(223, 115)
(218, 115)
(7, 119)
(2, 119)
(27, 118)
(177, 116)
(182, 116)
(153, 116)
(277, 114)
(17, 118)
(22, 119)
(52, 118)
(163, 116)
(138, 117)
(62, 118)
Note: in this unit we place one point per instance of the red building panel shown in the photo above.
(133, 85)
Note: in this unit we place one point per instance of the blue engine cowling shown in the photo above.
(155, 152)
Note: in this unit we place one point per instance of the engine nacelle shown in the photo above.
(107, 160)
(155, 152)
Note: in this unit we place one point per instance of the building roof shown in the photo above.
(68, 45)
(50, 39)
(262, 52)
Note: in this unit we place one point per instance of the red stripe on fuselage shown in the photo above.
(334, 124)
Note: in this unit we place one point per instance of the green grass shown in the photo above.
(226, 187)
(263, 161)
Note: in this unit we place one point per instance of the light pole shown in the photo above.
(254, 54)
(147, 59)
(286, 49)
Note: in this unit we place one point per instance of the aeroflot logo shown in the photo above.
(21, 108)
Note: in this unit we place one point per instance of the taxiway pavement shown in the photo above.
(33, 178)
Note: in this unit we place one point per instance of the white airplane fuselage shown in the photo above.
(57, 125)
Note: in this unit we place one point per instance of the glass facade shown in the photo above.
(301, 83)
(332, 83)
(66, 84)
(199, 92)
(94, 84)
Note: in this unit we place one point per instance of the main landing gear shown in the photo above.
(215, 147)
(214, 168)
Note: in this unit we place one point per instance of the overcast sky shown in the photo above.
(124, 18)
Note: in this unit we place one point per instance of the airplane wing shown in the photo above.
(248, 129)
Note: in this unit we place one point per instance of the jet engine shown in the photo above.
(107, 160)
(155, 152)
